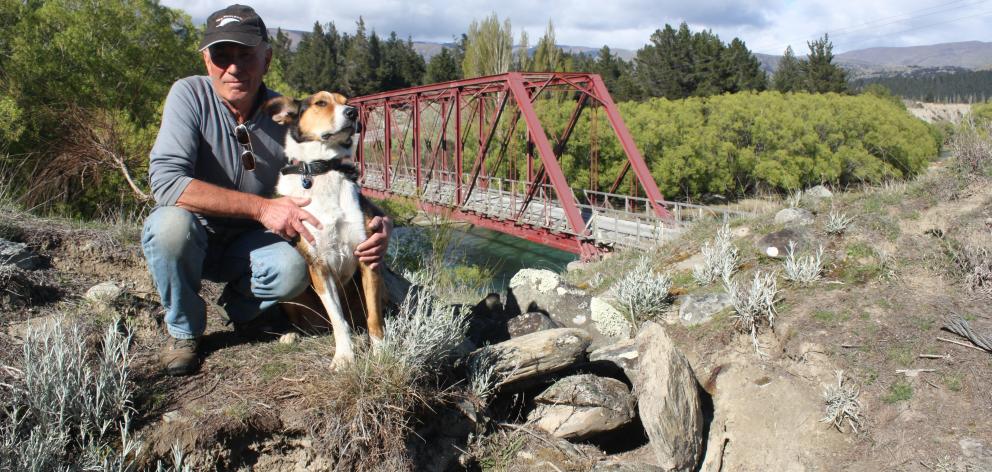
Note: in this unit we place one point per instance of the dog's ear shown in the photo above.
(284, 110)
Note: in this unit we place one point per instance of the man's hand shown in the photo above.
(372, 249)
(285, 216)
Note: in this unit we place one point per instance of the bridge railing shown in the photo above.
(609, 219)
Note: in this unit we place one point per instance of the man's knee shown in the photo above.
(171, 232)
(286, 275)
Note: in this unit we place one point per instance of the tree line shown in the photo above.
(949, 85)
(80, 101)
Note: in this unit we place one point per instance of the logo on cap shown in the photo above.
(228, 19)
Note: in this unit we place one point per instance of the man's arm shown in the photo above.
(283, 216)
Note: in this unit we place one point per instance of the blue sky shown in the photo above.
(766, 26)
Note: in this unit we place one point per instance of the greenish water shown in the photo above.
(504, 254)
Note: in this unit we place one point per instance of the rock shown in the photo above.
(536, 354)
(668, 400)
(104, 293)
(529, 323)
(621, 355)
(575, 265)
(18, 254)
(775, 244)
(540, 280)
(818, 192)
(291, 337)
(171, 416)
(798, 216)
(19, 330)
(543, 291)
(748, 432)
(696, 309)
(582, 406)
(608, 320)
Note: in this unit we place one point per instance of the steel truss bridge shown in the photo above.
(446, 145)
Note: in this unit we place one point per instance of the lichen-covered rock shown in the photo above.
(104, 293)
(818, 192)
(608, 320)
(668, 400)
(540, 280)
(536, 354)
(582, 406)
(696, 309)
(797, 216)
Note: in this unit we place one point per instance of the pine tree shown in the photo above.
(821, 75)
(358, 77)
(744, 70)
(442, 68)
(789, 73)
(315, 64)
(488, 47)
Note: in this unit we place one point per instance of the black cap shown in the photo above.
(234, 24)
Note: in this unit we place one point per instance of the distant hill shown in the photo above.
(862, 63)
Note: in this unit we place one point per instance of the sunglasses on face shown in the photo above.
(244, 139)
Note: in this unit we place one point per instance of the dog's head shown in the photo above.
(322, 117)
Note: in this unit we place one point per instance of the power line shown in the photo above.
(889, 20)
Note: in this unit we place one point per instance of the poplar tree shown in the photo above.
(547, 56)
(488, 47)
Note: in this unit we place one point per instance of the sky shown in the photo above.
(766, 26)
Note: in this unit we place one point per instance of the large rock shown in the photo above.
(668, 400)
(582, 406)
(696, 309)
(536, 354)
(530, 323)
(794, 216)
(621, 355)
(18, 254)
(775, 244)
(543, 291)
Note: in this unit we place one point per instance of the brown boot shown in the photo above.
(180, 356)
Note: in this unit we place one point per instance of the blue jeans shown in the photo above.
(260, 268)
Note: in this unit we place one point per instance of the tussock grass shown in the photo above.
(842, 406)
(642, 293)
(720, 258)
(754, 305)
(803, 270)
(366, 410)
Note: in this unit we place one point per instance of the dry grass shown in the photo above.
(842, 406)
(754, 305)
(366, 410)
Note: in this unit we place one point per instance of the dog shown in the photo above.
(319, 145)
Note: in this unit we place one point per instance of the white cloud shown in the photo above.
(766, 26)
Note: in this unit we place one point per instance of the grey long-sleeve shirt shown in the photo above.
(197, 140)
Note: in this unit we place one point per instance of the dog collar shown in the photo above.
(307, 170)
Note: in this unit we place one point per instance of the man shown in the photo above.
(214, 164)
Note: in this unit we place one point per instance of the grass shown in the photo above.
(954, 382)
(830, 317)
(898, 392)
(901, 355)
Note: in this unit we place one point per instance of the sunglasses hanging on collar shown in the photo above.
(244, 139)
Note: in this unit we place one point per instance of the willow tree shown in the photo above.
(488, 48)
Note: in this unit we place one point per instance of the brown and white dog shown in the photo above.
(319, 144)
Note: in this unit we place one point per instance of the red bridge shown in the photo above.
(446, 146)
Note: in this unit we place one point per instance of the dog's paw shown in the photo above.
(342, 360)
